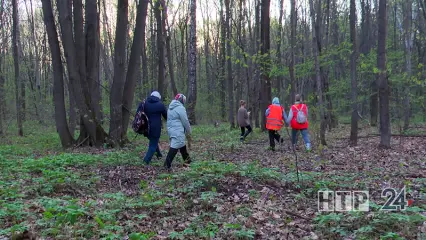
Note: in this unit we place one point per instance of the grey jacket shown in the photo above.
(177, 124)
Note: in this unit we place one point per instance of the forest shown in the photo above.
(73, 73)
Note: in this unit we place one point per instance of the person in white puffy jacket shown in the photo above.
(177, 128)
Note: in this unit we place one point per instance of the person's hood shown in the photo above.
(275, 101)
(156, 94)
(174, 104)
(152, 99)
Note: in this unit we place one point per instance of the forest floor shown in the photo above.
(230, 191)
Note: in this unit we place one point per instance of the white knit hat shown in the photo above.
(156, 94)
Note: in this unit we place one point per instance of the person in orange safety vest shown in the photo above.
(275, 119)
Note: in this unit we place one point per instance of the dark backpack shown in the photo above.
(141, 124)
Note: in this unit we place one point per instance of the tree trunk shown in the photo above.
(374, 101)
(107, 28)
(318, 75)
(266, 94)
(382, 78)
(92, 52)
(2, 79)
(408, 35)
(210, 82)
(332, 120)
(354, 86)
(33, 63)
(58, 81)
(72, 112)
(23, 87)
(182, 54)
(90, 130)
(160, 49)
(80, 47)
(144, 64)
(192, 63)
(395, 46)
(36, 60)
(327, 23)
(29, 61)
(238, 85)
(153, 53)
(293, 23)
(87, 44)
(230, 80)
(279, 78)
(166, 33)
(366, 46)
(106, 59)
(116, 125)
(16, 57)
(134, 63)
(223, 61)
(256, 78)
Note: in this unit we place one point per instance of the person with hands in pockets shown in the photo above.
(177, 128)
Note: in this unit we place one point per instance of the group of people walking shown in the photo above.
(276, 118)
(178, 126)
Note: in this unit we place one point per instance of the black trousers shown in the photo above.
(273, 135)
(244, 134)
(172, 154)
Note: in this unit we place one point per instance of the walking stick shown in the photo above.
(295, 154)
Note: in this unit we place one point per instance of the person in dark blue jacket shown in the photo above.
(154, 109)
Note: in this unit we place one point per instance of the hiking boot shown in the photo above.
(167, 168)
(272, 149)
(187, 162)
(241, 139)
(308, 147)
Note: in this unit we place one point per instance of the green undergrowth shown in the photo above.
(58, 194)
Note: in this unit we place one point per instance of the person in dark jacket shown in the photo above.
(154, 109)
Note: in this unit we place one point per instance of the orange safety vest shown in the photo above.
(293, 122)
(275, 121)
